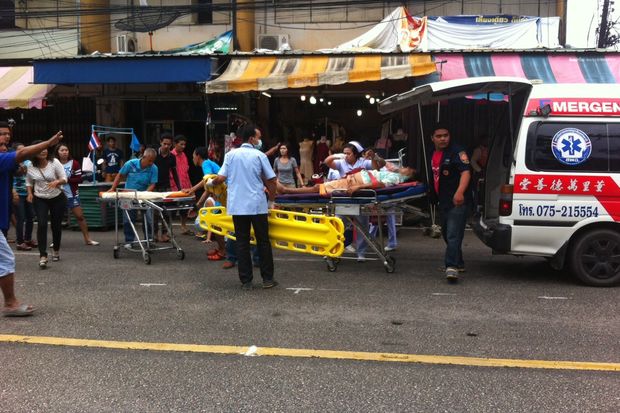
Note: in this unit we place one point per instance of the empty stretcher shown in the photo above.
(367, 202)
(149, 203)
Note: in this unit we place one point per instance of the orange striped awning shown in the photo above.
(281, 72)
(17, 89)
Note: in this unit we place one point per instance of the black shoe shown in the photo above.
(247, 286)
(270, 284)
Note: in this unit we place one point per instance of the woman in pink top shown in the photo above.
(180, 142)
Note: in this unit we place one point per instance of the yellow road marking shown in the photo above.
(310, 353)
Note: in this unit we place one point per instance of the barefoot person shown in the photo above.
(74, 177)
(364, 179)
(8, 162)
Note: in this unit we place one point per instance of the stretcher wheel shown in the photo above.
(115, 253)
(390, 265)
(180, 254)
(332, 265)
(146, 257)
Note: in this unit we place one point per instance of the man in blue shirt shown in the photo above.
(113, 158)
(208, 167)
(8, 162)
(247, 172)
(141, 175)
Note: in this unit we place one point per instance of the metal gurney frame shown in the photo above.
(367, 202)
(158, 206)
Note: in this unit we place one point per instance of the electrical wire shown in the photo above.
(300, 9)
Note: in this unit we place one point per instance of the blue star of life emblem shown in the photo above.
(571, 146)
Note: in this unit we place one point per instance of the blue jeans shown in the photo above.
(24, 214)
(390, 220)
(231, 251)
(133, 214)
(453, 222)
(360, 242)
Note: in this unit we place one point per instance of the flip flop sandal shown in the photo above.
(215, 256)
(24, 310)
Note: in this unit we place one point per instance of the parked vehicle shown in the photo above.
(551, 187)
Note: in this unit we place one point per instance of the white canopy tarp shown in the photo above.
(525, 34)
(399, 31)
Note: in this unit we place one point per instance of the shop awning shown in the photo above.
(17, 90)
(549, 67)
(281, 72)
(124, 69)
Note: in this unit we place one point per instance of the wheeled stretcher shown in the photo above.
(149, 203)
(365, 203)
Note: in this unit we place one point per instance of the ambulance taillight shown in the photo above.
(505, 201)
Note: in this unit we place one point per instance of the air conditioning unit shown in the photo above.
(126, 44)
(273, 41)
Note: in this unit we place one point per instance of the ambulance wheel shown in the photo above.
(390, 265)
(146, 257)
(115, 253)
(180, 254)
(595, 258)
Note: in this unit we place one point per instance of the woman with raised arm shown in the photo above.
(44, 180)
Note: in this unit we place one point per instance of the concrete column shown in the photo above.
(560, 9)
(245, 25)
(95, 31)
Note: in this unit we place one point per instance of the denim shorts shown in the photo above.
(7, 259)
(73, 202)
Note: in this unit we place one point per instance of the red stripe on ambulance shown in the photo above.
(603, 188)
(575, 106)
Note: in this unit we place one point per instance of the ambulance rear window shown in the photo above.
(564, 147)
(614, 147)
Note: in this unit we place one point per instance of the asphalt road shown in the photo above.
(504, 308)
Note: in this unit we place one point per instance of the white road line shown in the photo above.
(442, 294)
(152, 284)
(298, 289)
(544, 297)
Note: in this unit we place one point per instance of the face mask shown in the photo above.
(258, 145)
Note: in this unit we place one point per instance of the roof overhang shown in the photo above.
(17, 90)
(124, 69)
(276, 72)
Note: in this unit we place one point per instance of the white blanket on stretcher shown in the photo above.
(143, 195)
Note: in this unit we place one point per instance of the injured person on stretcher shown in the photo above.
(364, 179)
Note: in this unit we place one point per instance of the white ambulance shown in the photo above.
(552, 186)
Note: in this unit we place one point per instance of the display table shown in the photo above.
(99, 215)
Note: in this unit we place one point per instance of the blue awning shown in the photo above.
(123, 69)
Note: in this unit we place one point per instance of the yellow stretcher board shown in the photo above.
(291, 231)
